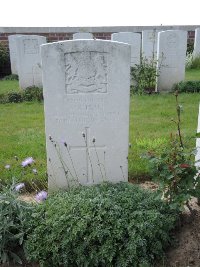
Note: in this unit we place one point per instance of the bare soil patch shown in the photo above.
(186, 252)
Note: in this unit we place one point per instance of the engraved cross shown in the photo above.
(88, 147)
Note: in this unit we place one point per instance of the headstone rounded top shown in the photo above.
(172, 46)
(86, 42)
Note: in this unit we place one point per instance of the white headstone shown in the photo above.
(13, 52)
(171, 56)
(197, 43)
(86, 97)
(29, 62)
(197, 157)
(134, 39)
(149, 44)
(82, 35)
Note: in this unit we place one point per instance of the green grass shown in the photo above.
(22, 135)
(9, 86)
(151, 125)
(22, 132)
(192, 74)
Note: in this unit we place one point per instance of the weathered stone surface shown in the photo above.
(172, 46)
(29, 62)
(82, 35)
(197, 43)
(86, 95)
(149, 44)
(13, 52)
(134, 39)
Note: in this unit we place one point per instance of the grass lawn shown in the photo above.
(22, 135)
(9, 86)
(22, 132)
(151, 125)
(192, 75)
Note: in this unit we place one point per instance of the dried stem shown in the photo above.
(179, 119)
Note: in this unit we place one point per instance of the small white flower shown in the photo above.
(27, 161)
(18, 187)
(41, 196)
(7, 167)
(34, 171)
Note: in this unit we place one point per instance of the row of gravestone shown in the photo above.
(86, 99)
(168, 47)
(86, 85)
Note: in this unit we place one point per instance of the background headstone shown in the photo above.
(134, 39)
(84, 81)
(82, 35)
(197, 43)
(197, 157)
(13, 52)
(29, 62)
(171, 56)
(149, 44)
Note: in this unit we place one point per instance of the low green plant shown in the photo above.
(174, 169)
(190, 47)
(144, 76)
(189, 59)
(104, 225)
(32, 94)
(11, 77)
(5, 67)
(187, 87)
(196, 62)
(13, 216)
(13, 97)
(4, 55)
(192, 62)
(29, 94)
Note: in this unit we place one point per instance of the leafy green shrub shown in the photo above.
(3, 99)
(176, 173)
(14, 97)
(187, 87)
(29, 94)
(189, 59)
(105, 225)
(144, 76)
(11, 97)
(192, 62)
(13, 216)
(32, 94)
(4, 60)
(4, 55)
(11, 77)
(190, 47)
(195, 63)
(174, 169)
